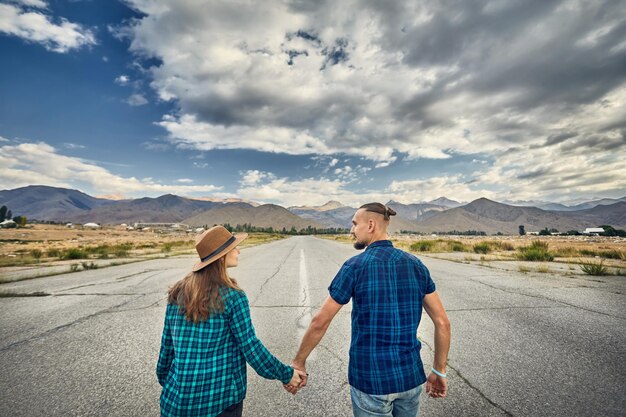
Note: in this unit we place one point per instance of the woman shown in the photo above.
(208, 337)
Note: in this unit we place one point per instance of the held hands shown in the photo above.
(436, 386)
(298, 380)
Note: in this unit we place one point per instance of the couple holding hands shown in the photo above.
(208, 334)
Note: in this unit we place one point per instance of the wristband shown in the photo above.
(436, 372)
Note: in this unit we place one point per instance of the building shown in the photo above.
(593, 231)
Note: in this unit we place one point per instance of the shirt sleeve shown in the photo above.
(341, 288)
(166, 355)
(428, 283)
(262, 361)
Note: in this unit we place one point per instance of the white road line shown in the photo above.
(305, 299)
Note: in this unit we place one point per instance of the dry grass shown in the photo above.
(39, 244)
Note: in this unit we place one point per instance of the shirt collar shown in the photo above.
(380, 243)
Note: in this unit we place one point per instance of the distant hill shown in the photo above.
(546, 205)
(266, 215)
(342, 217)
(49, 203)
(611, 214)
(225, 200)
(167, 208)
(331, 205)
(416, 212)
(61, 204)
(446, 202)
(338, 218)
(595, 203)
(492, 217)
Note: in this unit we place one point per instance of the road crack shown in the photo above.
(115, 280)
(273, 275)
(548, 299)
(65, 326)
(468, 383)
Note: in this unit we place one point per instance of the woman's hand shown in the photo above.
(296, 380)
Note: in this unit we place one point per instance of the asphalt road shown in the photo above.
(523, 344)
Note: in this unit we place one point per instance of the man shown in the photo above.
(388, 288)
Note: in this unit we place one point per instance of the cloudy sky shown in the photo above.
(299, 102)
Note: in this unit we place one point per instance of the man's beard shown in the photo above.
(359, 245)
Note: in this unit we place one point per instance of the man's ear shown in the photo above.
(371, 225)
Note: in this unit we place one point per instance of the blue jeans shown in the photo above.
(399, 404)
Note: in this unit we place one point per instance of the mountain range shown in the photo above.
(441, 215)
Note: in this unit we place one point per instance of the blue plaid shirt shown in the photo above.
(202, 366)
(387, 286)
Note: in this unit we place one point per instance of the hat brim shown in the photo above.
(239, 237)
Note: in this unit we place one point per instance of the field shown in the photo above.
(52, 249)
(56, 249)
(592, 255)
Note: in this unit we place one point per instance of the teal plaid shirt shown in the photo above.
(202, 366)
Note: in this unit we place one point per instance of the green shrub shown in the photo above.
(422, 246)
(534, 255)
(482, 247)
(587, 252)
(613, 254)
(591, 268)
(539, 244)
(74, 253)
(167, 247)
(458, 247)
(536, 252)
(36, 253)
(74, 267)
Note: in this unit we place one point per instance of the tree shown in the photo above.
(21, 220)
(9, 215)
(544, 232)
(522, 230)
(3, 213)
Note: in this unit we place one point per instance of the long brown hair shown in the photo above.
(198, 295)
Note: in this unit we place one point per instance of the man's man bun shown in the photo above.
(380, 209)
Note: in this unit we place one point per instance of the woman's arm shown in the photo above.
(262, 361)
(166, 355)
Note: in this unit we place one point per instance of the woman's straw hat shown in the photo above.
(215, 243)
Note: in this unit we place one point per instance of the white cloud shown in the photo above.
(33, 3)
(38, 27)
(73, 146)
(39, 163)
(266, 187)
(136, 100)
(254, 177)
(413, 80)
(122, 79)
(185, 180)
(411, 191)
(105, 58)
(3, 139)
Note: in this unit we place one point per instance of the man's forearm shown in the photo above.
(309, 341)
(442, 345)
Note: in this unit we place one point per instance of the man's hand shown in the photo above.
(296, 382)
(301, 366)
(436, 386)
